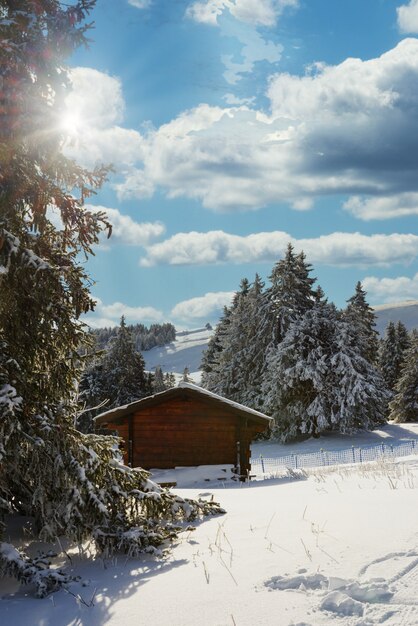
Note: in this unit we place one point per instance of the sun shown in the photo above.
(71, 123)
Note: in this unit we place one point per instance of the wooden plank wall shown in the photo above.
(183, 432)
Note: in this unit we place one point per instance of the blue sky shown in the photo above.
(235, 126)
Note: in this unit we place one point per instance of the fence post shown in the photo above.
(296, 461)
(383, 449)
(361, 458)
(262, 463)
(354, 454)
(413, 443)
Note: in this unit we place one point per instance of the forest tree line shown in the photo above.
(143, 337)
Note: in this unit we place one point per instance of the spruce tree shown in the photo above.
(403, 338)
(252, 358)
(404, 406)
(124, 370)
(186, 378)
(392, 353)
(289, 297)
(158, 383)
(71, 484)
(322, 382)
(234, 341)
(296, 391)
(210, 365)
(116, 377)
(362, 317)
(291, 292)
(358, 391)
(169, 380)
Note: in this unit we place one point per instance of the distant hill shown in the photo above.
(406, 312)
(185, 351)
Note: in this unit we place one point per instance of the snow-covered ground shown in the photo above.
(185, 351)
(336, 546)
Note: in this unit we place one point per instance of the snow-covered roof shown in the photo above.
(121, 411)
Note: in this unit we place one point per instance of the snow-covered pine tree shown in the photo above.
(360, 315)
(158, 383)
(186, 378)
(169, 380)
(392, 353)
(291, 294)
(389, 356)
(71, 484)
(403, 338)
(322, 381)
(210, 365)
(287, 299)
(124, 378)
(252, 356)
(359, 394)
(116, 377)
(404, 406)
(231, 383)
(298, 395)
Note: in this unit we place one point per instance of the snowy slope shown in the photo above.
(406, 312)
(185, 351)
(336, 547)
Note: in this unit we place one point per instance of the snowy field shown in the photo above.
(333, 546)
(185, 351)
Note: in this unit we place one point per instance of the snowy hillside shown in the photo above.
(406, 312)
(185, 351)
(325, 547)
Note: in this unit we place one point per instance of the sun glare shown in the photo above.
(71, 123)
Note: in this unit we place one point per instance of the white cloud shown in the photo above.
(94, 109)
(140, 4)
(100, 322)
(126, 231)
(408, 17)
(206, 11)
(335, 249)
(263, 12)
(345, 129)
(233, 100)
(256, 12)
(202, 308)
(391, 289)
(96, 98)
(382, 208)
(248, 15)
(254, 49)
(131, 313)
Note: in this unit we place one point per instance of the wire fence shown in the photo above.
(265, 465)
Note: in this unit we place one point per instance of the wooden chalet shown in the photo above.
(185, 426)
